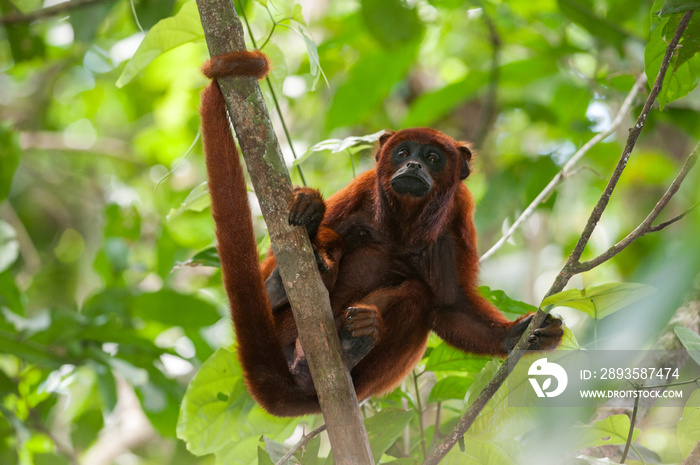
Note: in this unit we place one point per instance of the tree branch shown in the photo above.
(646, 225)
(49, 11)
(295, 259)
(465, 422)
(568, 168)
(488, 115)
(302, 442)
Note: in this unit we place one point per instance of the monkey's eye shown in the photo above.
(432, 157)
(403, 153)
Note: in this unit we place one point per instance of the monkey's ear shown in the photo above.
(382, 140)
(385, 137)
(466, 157)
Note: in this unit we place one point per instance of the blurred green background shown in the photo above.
(110, 297)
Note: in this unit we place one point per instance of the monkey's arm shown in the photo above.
(473, 323)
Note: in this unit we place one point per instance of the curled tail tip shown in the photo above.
(243, 63)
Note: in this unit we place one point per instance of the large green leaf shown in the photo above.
(197, 200)
(217, 411)
(689, 424)
(9, 157)
(452, 387)
(174, 309)
(612, 430)
(447, 358)
(690, 340)
(167, 34)
(369, 82)
(580, 12)
(683, 73)
(678, 6)
(600, 301)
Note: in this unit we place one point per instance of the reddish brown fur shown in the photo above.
(413, 261)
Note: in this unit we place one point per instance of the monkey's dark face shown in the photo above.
(417, 165)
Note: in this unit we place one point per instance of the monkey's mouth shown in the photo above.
(410, 184)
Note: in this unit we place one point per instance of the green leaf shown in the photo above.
(612, 430)
(384, 428)
(600, 301)
(690, 340)
(86, 21)
(175, 309)
(197, 200)
(9, 247)
(369, 82)
(264, 457)
(244, 451)
(167, 34)
(28, 351)
(447, 358)
(568, 341)
(580, 12)
(210, 422)
(505, 303)
(683, 73)
(452, 387)
(9, 157)
(10, 295)
(689, 424)
(391, 22)
(315, 68)
(205, 257)
(678, 6)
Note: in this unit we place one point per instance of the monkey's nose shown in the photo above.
(414, 165)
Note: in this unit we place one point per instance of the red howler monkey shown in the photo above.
(396, 249)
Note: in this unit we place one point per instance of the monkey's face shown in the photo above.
(413, 163)
(418, 164)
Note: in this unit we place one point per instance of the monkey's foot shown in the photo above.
(546, 337)
(360, 332)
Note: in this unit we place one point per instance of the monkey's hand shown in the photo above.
(546, 337)
(307, 209)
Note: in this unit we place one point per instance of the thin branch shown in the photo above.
(305, 438)
(646, 225)
(55, 10)
(673, 220)
(631, 432)
(419, 405)
(568, 168)
(465, 422)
